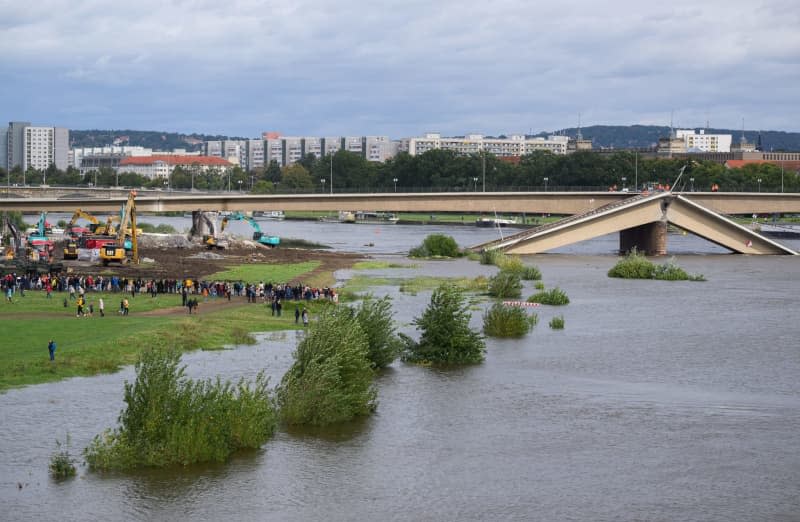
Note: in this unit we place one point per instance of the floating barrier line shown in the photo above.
(520, 303)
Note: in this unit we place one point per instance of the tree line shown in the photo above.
(441, 170)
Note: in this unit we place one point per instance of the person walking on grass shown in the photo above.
(51, 347)
(296, 314)
(305, 317)
(102, 307)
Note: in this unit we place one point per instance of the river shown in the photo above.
(659, 401)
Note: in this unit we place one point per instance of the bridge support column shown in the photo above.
(649, 239)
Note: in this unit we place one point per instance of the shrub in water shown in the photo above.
(539, 285)
(633, 266)
(507, 321)
(505, 284)
(437, 245)
(62, 465)
(636, 266)
(375, 318)
(331, 378)
(555, 297)
(170, 419)
(491, 257)
(557, 323)
(446, 337)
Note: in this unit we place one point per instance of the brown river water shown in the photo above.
(659, 401)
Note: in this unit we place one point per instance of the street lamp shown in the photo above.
(545, 183)
(624, 179)
(483, 154)
(781, 176)
(395, 184)
(192, 180)
(759, 184)
(331, 172)
(240, 185)
(475, 181)
(322, 180)
(691, 180)
(166, 184)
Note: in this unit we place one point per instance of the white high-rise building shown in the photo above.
(702, 142)
(36, 147)
(515, 145)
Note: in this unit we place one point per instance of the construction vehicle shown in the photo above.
(115, 252)
(70, 228)
(212, 241)
(71, 250)
(270, 241)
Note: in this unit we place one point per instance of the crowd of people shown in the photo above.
(79, 289)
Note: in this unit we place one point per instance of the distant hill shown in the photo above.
(156, 140)
(635, 136)
(602, 136)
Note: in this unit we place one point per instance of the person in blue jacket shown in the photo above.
(51, 347)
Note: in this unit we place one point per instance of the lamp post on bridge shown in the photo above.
(240, 185)
(546, 179)
(691, 180)
(322, 180)
(759, 184)
(395, 184)
(624, 179)
(475, 182)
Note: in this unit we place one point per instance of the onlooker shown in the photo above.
(51, 347)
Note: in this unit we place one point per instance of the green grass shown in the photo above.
(362, 283)
(87, 346)
(278, 273)
(376, 265)
(36, 301)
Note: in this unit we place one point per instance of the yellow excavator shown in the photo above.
(217, 241)
(115, 252)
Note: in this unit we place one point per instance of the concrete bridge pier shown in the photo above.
(649, 239)
(203, 223)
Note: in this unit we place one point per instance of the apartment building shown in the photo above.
(29, 146)
(515, 145)
(702, 142)
(162, 165)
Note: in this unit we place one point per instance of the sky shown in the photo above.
(399, 68)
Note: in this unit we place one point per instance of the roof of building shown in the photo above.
(175, 159)
(737, 164)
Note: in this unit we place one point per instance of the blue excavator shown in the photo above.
(260, 237)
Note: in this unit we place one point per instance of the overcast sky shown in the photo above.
(398, 68)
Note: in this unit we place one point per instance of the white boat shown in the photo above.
(370, 218)
(276, 215)
(496, 222)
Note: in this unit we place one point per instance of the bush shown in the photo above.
(555, 297)
(62, 465)
(491, 257)
(508, 321)
(557, 323)
(331, 378)
(539, 285)
(161, 228)
(446, 336)
(505, 284)
(170, 419)
(375, 318)
(436, 245)
(635, 266)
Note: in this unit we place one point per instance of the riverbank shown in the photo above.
(92, 345)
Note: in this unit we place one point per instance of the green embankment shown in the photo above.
(91, 345)
(265, 272)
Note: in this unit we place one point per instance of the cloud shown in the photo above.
(400, 68)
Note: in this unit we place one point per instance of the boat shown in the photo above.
(276, 215)
(369, 218)
(496, 222)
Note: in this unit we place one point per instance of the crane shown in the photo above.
(115, 252)
(271, 241)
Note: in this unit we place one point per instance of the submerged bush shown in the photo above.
(508, 321)
(375, 318)
(554, 297)
(170, 419)
(436, 245)
(491, 257)
(446, 337)
(635, 266)
(62, 465)
(331, 378)
(557, 323)
(539, 285)
(505, 284)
